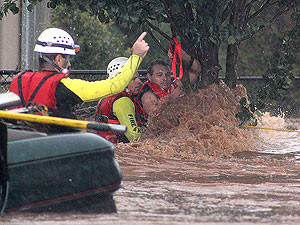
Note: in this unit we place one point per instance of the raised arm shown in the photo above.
(195, 69)
(93, 91)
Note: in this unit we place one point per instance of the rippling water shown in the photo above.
(278, 142)
(164, 184)
(284, 143)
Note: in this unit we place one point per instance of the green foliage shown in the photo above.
(278, 79)
(8, 6)
(246, 113)
(204, 27)
(200, 24)
(99, 44)
(255, 53)
(190, 25)
(11, 6)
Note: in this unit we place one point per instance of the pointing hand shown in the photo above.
(140, 47)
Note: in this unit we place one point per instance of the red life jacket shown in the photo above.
(104, 114)
(37, 87)
(156, 90)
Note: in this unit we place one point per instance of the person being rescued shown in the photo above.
(121, 108)
(51, 87)
(160, 86)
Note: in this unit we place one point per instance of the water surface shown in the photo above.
(196, 166)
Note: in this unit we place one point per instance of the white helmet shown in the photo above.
(54, 40)
(115, 65)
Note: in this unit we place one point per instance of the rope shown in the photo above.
(275, 129)
(177, 53)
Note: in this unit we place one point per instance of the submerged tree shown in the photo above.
(202, 26)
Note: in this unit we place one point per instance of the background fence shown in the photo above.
(290, 103)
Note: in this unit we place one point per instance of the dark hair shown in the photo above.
(156, 62)
(43, 63)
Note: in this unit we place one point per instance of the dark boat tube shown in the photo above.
(3, 167)
(49, 170)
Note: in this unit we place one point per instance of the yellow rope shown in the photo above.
(44, 119)
(276, 129)
(63, 121)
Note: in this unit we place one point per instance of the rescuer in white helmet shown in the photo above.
(121, 108)
(51, 87)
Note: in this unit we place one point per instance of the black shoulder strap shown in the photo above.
(99, 117)
(145, 88)
(98, 113)
(38, 87)
(20, 88)
(3, 155)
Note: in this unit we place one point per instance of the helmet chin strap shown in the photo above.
(62, 70)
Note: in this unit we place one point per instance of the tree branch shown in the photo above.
(247, 12)
(226, 12)
(159, 31)
(294, 30)
(239, 10)
(157, 42)
(190, 12)
(262, 8)
(272, 20)
(176, 29)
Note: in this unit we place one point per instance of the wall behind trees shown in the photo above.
(10, 42)
(18, 34)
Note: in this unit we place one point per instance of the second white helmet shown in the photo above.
(56, 41)
(115, 65)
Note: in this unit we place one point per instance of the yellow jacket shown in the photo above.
(124, 110)
(89, 91)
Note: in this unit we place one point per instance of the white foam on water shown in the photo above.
(281, 141)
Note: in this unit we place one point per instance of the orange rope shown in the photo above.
(275, 129)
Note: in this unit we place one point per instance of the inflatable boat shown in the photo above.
(59, 172)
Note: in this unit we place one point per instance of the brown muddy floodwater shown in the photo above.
(200, 168)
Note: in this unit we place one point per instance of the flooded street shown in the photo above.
(202, 171)
(247, 188)
(253, 187)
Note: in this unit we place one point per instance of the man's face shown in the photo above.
(161, 76)
(135, 84)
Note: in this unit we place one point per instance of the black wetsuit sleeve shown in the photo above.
(65, 102)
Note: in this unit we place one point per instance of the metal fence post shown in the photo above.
(27, 37)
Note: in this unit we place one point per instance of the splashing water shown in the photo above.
(203, 125)
(276, 142)
(196, 126)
